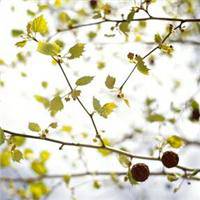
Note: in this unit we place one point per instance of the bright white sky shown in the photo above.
(18, 106)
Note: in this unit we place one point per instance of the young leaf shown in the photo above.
(2, 136)
(96, 104)
(107, 109)
(124, 160)
(34, 127)
(141, 66)
(110, 82)
(50, 49)
(21, 43)
(42, 100)
(16, 155)
(39, 25)
(76, 51)
(53, 125)
(158, 38)
(17, 32)
(84, 80)
(39, 167)
(75, 94)
(66, 128)
(104, 152)
(56, 105)
(124, 27)
(175, 141)
(156, 118)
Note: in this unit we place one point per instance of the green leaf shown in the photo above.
(172, 177)
(38, 190)
(156, 118)
(66, 128)
(84, 80)
(110, 82)
(175, 141)
(50, 49)
(2, 136)
(130, 178)
(75, 94)
(96, 104)
(124, 27)
(158, 38)
(39, 25)
(96, 184)
(76, 51)
(44, 155)
(21, 43)
(104, 152)
(16, 155)
(34, 127)
(53, 125)
(5, 157)
(17, 32)
(56, 105)
(67, 178)
(124, 160)
(107, 109)
(141, 66)
(39, 167)
(131, 14)
(18, 141)
(42, 100)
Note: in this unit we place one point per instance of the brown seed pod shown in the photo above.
(93, 3)
(140, 172)
(170, 159)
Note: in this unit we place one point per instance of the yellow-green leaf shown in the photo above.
(107, 109)
(75, 93)
(124, 27)
(53, 125)
(34, 127)
(5, 157)
(42, 100)
(124, 160)
(16, 155)
(39, 25)
(39, 167)
(50, 49)
(66, 128)
(156, 118)
(103, 151)
(157, 38)
(76, 51)
(2, 136)
(96, 104)
(141, 66)
(110, 82)
(17, 32)
(44, 155)
(21, 43)
(56, 105)
(175, 141)
(18, 141)
(38, 190)
(84, 80)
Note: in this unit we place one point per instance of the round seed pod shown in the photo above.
(170, 159)
(140, 172)
(93, 4)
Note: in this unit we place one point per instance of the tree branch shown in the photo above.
(109, 148)
(78, 175)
